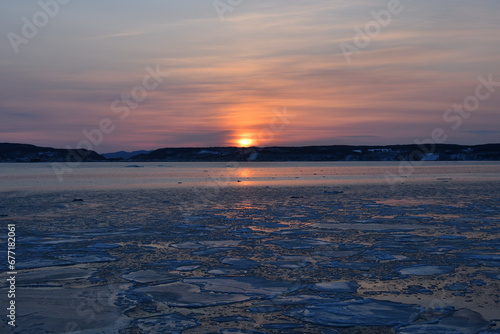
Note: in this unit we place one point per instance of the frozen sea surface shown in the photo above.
(347, 257)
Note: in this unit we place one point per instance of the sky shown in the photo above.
(130, 75)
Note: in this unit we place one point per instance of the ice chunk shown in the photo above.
(239, 262)
(88, 258)
(457, 287)
(337, 286)
(206, 244)
(282, 325)
(489, 257)
(61, 310)
(54, 274)
(222, 272)
(477, 282)
(380, 256)
(289, 264)
(243, 285)
(100, 245)
(486, 259)
(462, 321)
(264, 309)
(371, 226)
(212, 251)
(178, 265)
(233, 318)
(493, 274)
(41, 263)
(426, 270)
(166, 323)
(302, 243)
(150, 276)
(453, 237)
(366, 312)
(189, 295)
(348, 265)
(239, 331)
(417, 289)
(306, 299)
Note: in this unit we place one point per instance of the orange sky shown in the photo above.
(223, 81)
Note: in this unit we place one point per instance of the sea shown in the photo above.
(108, 175)
(250, 247)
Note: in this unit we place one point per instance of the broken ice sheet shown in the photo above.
(426, 270)
(366, 312)
(212, 251)
(303, 299)
(180, 294)
(289, 264)
(292, 262)
(282, 325)
(52, 275)
(244, 285)
(207, 244)
(166, 323)
(304, 243)
(486, 259)
(41, 263)
(371, 226)
(61, 310)
(150, 276)
(493, 274)
(336, 286)
(456, 287)
(222, 271)
(87, 258)
(233, 318)
(177, 265)
(239, 331)
(462, 321)
(239, 263)
(363, 266)
(417, 289)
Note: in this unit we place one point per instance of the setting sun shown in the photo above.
(245, 142)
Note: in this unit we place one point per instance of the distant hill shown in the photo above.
(441, 152)
(31, 153)
(124, 155)
(438, 152)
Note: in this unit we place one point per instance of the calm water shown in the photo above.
(108, 175)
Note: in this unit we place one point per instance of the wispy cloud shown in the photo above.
(227, 77)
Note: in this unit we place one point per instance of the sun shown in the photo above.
(245, 142)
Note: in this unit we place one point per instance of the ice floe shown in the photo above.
(426, 270)
(460, 322)
(181, 294)
(244, 285)
(150, 276)
(366, 312)
(168, 323)
(336, 286)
